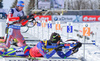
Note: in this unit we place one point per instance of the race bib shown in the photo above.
(19, 51)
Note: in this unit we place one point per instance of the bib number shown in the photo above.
(19, 51)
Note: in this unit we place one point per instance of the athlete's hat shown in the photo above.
(20, 3)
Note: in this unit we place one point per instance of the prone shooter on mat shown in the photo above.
(41, 50)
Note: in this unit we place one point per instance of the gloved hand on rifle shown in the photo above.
(59, 48)
(75, 49)
(31, 16)
(23, 17)
(79, 44)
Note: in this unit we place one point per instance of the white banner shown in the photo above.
(58, 3)
(44, 4)
(67, 18)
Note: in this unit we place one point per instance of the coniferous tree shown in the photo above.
(30, 6)
(1, 4)
(14, 4)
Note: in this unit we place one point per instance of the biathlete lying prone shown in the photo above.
(42, 50)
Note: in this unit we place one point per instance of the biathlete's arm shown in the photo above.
(62, 55)
(46, 55)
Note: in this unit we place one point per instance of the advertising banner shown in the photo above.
(44, 4)
(90, 18)
(58, 3)
(43, 18)
(67, 18)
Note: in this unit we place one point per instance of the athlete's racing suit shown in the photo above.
(14, 25)
(40, 50)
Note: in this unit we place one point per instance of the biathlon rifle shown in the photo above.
(65, 45)
(31, 16)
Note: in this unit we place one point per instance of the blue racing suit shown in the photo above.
(49, 52)
(38, 51)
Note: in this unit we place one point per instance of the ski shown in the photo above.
(28, 57)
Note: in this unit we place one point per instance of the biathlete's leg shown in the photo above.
(20, 38)
(7, 45)
(9, 41)
(10, 51)
(11, 37)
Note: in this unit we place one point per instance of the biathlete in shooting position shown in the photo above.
(14, 23)
(41, 50)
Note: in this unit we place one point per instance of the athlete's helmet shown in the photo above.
(20, 3)
(55, 37)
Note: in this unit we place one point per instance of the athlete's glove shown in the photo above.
(77, 46)
(59, 48)
(75, 49)
(23, 17)
(31, 15)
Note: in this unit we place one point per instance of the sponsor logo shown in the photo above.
(86, 25)
(78, 18)
(91, 18)
(43, 18)
(22, 3)
(55, 18)
(19, 51)
(18, 15)
(64, 18)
